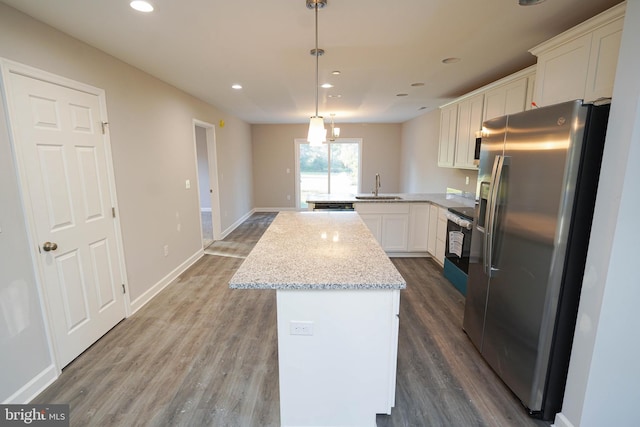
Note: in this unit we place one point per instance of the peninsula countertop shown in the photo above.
(317, 250)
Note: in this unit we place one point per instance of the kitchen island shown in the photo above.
(338, 299)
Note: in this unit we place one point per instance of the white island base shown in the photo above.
(345, 373)
(338, 299)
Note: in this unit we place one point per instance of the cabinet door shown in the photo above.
(515, 96)
(603, 60)
(506, 99)
(469, 122)
(441, 236)
(395, 229)
(531, 86)
(448, 123)
(433, 227)
(419, 227)
(561, 73)
(494, 102)
(373, 223)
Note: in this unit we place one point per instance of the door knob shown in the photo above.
(48, 246)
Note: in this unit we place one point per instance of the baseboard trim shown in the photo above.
(561, 421)
(34, 387)
(408, 255)
(143, 299)
(235, 225)
(278, 209)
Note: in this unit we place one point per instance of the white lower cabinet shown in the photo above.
(395, 232)
(419, 227)
(373, 223)
(433, 226)
(437, 233)
(441, 235)
(398, 227)
(406, 228)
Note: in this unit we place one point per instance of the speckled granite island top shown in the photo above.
(317, 250)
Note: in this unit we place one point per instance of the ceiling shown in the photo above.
(380, 47)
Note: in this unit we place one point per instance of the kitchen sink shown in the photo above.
(374, 197)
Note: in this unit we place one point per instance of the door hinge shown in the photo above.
(104, 125)
(113, 212)
(124, 290)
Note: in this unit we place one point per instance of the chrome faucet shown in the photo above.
(378, 185)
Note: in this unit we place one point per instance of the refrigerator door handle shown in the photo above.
(489, 214)
(504, 161)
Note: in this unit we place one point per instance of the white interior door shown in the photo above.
(65, 171)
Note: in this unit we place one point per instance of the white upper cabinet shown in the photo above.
(507, 98)
(469, 122)
(448, 127)
(462, 118)
(603, 59)
(459, 122)
(581, 62)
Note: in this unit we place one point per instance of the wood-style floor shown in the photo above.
(201, 354)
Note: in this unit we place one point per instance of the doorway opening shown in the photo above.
(207, 169)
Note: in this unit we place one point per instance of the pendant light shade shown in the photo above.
(317, 133)
(335, 132)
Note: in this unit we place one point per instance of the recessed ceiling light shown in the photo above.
(236, 86)
(335, 73)
(450, 60)
(326, 86)
(402, 94)
(417, 84)
(141, 6)
(335, 96)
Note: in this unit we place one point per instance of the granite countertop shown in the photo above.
(317, 250)
(445, 200)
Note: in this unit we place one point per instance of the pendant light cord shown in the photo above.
(316, 7)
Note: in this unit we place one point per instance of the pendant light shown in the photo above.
(335, 132)
(317, 133)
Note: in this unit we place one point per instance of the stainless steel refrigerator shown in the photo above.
(537, 184)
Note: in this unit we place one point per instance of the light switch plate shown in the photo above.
(187, 184)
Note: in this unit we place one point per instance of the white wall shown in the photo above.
(419, 163)
(603, 386)
(24, 350)
(151, 130)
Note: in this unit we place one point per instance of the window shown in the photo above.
(333, 168)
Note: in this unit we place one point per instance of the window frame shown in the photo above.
(300, 141)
